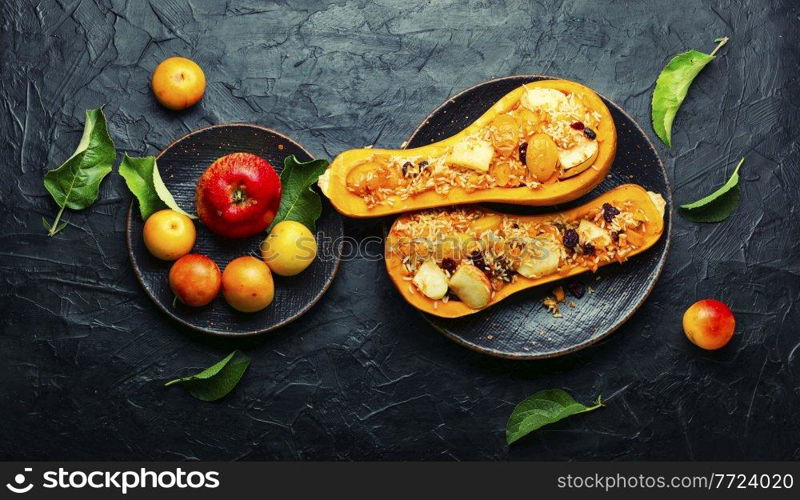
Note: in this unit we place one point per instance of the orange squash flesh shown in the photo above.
(573, 184)
(651, 203)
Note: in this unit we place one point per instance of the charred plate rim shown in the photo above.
(652, 279)
(218, 333)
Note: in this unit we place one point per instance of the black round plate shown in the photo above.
(519, 327)
(180, 165)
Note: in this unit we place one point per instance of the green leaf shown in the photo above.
(216, 381)
(717, 206)
(672, 85)
(76, 183)
(165, 195)
(138, 175)
(144, 181)
(50, 229)
(299, 202)
(544, 407)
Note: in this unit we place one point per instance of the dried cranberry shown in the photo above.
(570, 238)
(406, 166)
(609, 212)
(591, 134)
(576, 289)
(448, 264)
(588, 249)
(577, 125)
(523, 153)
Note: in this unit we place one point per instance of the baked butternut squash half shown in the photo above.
(451, 262)
(544, 143)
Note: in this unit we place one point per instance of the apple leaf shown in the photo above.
(544, 407)
(76, 183)
(216, 381)
(144, 181)
(299, 202)
(717, 206)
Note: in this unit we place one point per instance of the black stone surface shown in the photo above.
(362, 376)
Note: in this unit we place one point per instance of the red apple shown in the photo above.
(238, 195)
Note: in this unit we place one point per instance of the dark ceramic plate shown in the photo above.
(181, 164)
(519, 327)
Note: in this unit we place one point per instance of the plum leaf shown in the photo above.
(543, 408)
(76, 183)
(672, 86)
(717, 206)
(144, 181)
(299, 201)
(216, 381)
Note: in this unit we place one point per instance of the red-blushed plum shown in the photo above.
(169, 235)
(178, 83)
(195, 279)
(709, 324)
(289, 249)
(247, 284)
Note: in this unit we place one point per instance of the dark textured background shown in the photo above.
(362, 376)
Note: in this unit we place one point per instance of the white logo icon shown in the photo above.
(19, 479)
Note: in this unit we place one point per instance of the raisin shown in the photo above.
(591, 134)
(577, 125)
(615, 236)
(504, 272)
(609, 212)
(407, 169)
(423, 165)
(515, 225)
(523, 153)
(477, 259)
(449, 265)
(576, 289)
(506, 275)
(588, 249)
(570, 238)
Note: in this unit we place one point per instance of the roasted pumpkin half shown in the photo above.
(544, 143)
(451, 262)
